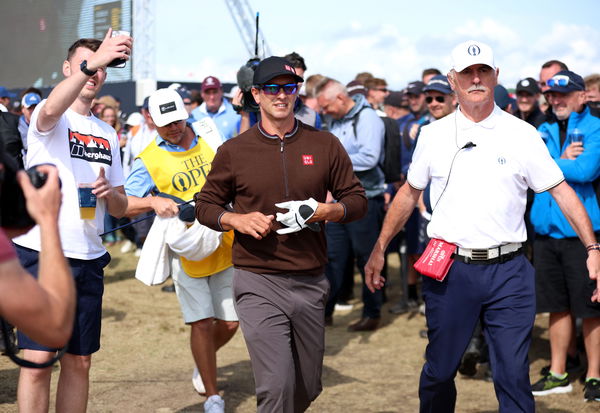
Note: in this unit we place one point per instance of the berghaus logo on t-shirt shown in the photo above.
(90, 148)
(167, 107)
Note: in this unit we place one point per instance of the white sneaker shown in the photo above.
(214, 404)
(197, 382)
(138, 252)
(343, 307)
(127, 246)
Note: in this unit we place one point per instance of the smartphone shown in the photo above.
(119, 63)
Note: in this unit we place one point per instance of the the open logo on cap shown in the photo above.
(473, 50)
(167, 107)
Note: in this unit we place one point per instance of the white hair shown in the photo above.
(331, 89)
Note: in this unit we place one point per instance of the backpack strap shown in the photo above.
(355, 120)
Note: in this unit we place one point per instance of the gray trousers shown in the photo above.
(282, 319)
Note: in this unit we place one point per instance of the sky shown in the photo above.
(392, 39)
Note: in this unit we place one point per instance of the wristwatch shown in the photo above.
(84, 69)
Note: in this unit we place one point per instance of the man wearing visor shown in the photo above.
(480, 161)
(276, 175)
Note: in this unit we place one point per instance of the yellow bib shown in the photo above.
(182, 174)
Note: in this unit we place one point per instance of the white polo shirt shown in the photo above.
(483, 203)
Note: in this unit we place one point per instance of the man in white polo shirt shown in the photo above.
(480, 162)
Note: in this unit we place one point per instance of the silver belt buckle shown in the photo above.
(479, 255)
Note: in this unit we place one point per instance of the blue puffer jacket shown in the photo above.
(546, 216)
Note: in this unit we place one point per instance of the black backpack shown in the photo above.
(391, 147)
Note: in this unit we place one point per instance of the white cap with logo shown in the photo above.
(470, 53)
(166, 106)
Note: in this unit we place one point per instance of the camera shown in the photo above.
(245, 77)
(13, 208)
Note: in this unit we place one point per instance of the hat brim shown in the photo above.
(265, 79)
(460, 68)
(167, 118)
(562, 89)
(437, 89)
(528, 91)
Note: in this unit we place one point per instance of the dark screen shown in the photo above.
(37, 33)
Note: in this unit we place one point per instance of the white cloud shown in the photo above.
(399, 55)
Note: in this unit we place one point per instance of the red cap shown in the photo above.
(210, 82)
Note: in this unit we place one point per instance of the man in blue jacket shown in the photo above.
(361, 132)
(562, 286)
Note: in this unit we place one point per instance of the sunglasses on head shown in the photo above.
(561, 80)
(274, 89)
(440, 99)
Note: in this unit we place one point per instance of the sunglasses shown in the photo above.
(381, 89)
(439, 99)
(562, 81)
(274, 89)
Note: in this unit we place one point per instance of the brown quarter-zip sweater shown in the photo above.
(254, 171)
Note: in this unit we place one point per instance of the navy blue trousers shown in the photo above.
(358, 237)
(502, 296)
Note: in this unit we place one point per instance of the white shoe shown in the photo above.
(126, 247)
(138, 252)
(197, 382)
(214, 404)
(343, 307)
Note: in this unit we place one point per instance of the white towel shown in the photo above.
(195, 243)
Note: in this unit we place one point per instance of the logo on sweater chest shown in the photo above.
(307, 160)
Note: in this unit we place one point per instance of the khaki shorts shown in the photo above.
(204, 297)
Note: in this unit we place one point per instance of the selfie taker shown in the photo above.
(86, 151)
(480, 162)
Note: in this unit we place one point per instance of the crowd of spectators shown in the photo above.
(366, 115)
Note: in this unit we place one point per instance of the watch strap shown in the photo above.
(84, 69)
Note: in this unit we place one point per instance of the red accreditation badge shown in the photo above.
(436, 260)
(307, 160)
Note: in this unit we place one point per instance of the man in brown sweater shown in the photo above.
(279, 283)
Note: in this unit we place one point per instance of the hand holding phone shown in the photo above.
(118, 63)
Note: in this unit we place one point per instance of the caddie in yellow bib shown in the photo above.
(182, 174)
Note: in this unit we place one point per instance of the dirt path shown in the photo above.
(145, 364)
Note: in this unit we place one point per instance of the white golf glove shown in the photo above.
(295, 219)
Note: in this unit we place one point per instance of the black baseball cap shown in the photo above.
(271, 67)
(528, 85)
(415, 88)
(396, 99)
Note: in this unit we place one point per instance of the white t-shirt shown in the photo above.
(79, 146)
(485, 197)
